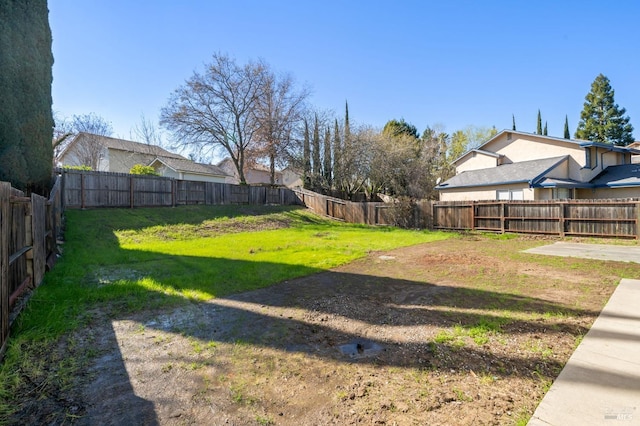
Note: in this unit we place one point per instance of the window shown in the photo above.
(562, 193)
(511, 194)
(590, 159)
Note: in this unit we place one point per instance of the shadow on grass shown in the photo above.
(305, 313)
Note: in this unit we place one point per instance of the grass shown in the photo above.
(118, 261)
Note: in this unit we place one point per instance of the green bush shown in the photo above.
(83, 168)
(140, 169)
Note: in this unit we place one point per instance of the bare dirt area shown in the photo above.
(463, 331)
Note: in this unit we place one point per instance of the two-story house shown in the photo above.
(523, 166)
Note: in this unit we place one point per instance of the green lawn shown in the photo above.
(123, 260)
(117, 261)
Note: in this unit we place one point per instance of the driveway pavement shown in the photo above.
(618, 253)
(600, 384)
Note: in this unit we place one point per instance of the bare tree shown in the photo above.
(279, 110)
(146, 132)
(88, 148)
(216, 109)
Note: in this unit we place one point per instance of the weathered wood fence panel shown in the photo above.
(599, 218)
(5, 221)
(29, 228)
(368, 213)
(83, 189)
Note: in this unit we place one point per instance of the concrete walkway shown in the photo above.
(600, 384)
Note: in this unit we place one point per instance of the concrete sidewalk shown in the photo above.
(600, 384)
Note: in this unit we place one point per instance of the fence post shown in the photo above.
(503, 206)
(131, 191)
(473, 216)
(82, 190)
(562, 224)
(637, 206)
(5, 194)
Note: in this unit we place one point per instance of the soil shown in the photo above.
(463, 331)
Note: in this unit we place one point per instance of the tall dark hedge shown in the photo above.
(26, 121)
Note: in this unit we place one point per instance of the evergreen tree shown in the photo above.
(347, 129)
(513, 118)
(567, 135)
(539, 128)
(544, 132)
(337, 149)
(601, 119)
(306, 154)
(326, 172)
(26, 121)
(315, 152)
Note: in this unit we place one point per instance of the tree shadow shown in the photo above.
(304, 312)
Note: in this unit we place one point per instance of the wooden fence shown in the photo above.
(99, 189)
(368, 213)
(29, 228)
(615, 218)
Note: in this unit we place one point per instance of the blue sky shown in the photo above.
(452, 63)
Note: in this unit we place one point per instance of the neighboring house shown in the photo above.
(257, 174)
(184, 169)
(107, 154)
(291, 178)
(522, 166)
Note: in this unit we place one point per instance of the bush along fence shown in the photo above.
(29, 228)
(84, 189)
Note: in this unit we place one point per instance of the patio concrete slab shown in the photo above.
(600, 384)
(620, 253)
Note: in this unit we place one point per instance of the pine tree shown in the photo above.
(544, 132)
(513, 118)
(539, 128)
(601, 119)
(567, 135)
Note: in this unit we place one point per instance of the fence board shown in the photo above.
(38, 237)
(5, 220)
(85, 189)
(605, 218)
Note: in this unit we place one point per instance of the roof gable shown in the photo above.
(188, 166)
(122, 145)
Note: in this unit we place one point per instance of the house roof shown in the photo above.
(531, 172)
(611, 147)
(618, 176)
(123, 145)
(188, 166)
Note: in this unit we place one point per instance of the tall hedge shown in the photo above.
(26, 121)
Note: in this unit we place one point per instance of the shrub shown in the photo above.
(139, 169)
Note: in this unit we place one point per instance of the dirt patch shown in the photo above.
(454, 332)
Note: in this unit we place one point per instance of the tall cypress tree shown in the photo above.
(567, 135)
(326, 160)
(337, 148)
(601, 119)
(539, 127)
(315, 152)
(513, 118)
(26, 121)
(306, 154)
(544, 132)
